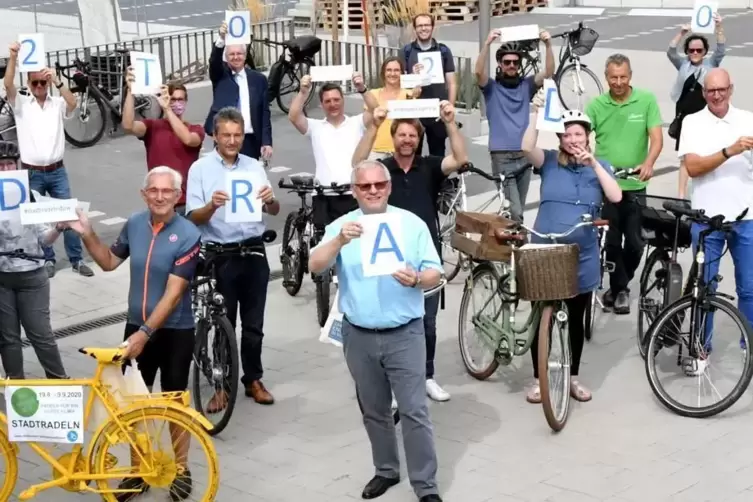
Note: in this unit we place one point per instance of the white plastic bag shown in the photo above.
(332, 330)
(135, 385)
(112, 377)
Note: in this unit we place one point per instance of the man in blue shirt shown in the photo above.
(164, 249)
(508, 98)
(242, 280)
(383, 331)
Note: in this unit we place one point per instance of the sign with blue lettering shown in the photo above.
(703, 16)
(31, 55)
(382, 244)
(244, 205)
(147, 73)
(238, 27)
(550, 115)
(14, 191)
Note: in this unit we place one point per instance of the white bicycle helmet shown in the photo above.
(576, 117)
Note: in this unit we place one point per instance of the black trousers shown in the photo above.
(576, 318)
(436, 137)
(624, 221)
(431, 308)
(243, 282)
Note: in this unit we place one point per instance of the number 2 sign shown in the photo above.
(703, 17)
(31, 55)
(238, 27)
(432, 62)
(147, 73)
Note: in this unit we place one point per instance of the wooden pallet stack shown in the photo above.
(526, 5)
(454, 10)
(355, 13)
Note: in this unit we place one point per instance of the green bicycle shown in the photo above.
(543, 274)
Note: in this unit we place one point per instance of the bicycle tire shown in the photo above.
(716, 303)
(446, 236)
(292, 279)
(465, 301)
(103, 118)
(555, 421)
(590, 318)
(10, 454)
(644, 323)
(584, 71)
(322, 299)
(296, 71)
(231, 345)
(395, 414)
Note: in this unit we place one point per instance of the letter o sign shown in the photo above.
(239, 23)
(704, 16)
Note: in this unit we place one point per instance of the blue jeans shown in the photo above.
(517, 171)
(55, 184)
(740, 242)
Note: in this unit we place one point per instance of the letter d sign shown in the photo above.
(13, 193)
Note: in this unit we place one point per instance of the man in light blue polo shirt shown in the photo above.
(240, 279)
(383, 331)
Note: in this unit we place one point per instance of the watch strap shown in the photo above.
(147, 330)
(724, 153)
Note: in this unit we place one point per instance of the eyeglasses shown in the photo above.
(510, 62)
(378, 186)
(717, 90)
(695, 51)
(38, 83)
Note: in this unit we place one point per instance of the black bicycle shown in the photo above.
(286, 73)
(93, 98)
(215, 359)
(699, 308)
(299, 236)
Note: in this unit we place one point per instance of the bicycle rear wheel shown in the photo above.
(322, 298)
(651, 296)
(292, 255)
(215, 371)
(90, 115)
(573, 97)
(554, 375)
(290, 84)
(590, 317)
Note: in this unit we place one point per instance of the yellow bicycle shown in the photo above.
(53, 411)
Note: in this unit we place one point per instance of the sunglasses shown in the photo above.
(38, 83)
(366, 187)
(695, 51)
(510, 62)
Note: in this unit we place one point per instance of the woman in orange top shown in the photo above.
(390, 73)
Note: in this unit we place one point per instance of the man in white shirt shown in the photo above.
(41, 139)
(716, 145)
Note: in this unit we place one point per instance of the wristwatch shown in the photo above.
(271, 202)
(59, 86)
(365, 89)
(147, 330)
(418, 280)
(724, 153)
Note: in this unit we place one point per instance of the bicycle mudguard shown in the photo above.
(673, 281)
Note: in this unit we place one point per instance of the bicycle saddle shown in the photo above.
(302, 179)
(106, 356)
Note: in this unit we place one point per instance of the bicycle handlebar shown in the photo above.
(587, 222)
(470, 168)
(318, 188)
(566, 33)
(715, 223)
(21, 255)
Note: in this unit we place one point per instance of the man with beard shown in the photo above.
(416, 182)
(508, 99)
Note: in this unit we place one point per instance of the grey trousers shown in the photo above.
(394, 361)
(25, 300)
(517, 171)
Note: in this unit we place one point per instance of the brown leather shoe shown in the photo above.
(259, 393)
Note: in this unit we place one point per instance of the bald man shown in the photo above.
(235, 85)
(716, 144)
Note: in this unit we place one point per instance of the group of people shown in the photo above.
(389, 329)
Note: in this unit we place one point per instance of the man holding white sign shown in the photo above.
(39, 125)
(508, 98)
(226, 206)
(382, 329)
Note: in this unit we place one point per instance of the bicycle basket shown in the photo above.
(306, 46)
(547, 271)
(658, 224)
(583, 41)
(475, 236)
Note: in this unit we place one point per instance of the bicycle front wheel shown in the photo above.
(554, 364)
(290, 84)
(322, 299)
(577, 87)
(651, 296)
(452, 259)
(9, 454)
(88, 121)
(682, 337)
(292, 255)
(158, 432)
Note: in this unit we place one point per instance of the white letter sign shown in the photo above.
(238, 27)
(333, 73)
(381, 244)
(519, 33)
(14, 191)
(412, 80)
(31, 55)
(412, 108)
(432, 66)
(147, 73)
(549, 117)
(244, 205)
(50, 211)
(703, 16)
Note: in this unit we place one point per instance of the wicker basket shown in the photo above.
(547, 271)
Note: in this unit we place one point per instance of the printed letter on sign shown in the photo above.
(244, 205)
(14, 191)
(703, 16)
(32, 55)
(147, 72)
(549, 117)
(382, 250)
(238, 27)
(432, 62)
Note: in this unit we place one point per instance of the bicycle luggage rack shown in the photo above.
(474, 235)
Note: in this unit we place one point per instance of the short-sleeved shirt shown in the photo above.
(411, 53)
(508, 111)
(728, 189)
(622, 130)
(383, 142)
(334, 147)
(164, 148)
(417, 189)
(208, 175)
(41, 138)
(382, 302)
(567, 193)
(156, 253)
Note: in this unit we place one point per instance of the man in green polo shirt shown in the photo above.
(628, 128)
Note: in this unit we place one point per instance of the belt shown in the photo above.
(380, 331)
(45, 169)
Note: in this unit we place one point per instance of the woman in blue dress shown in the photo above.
(573, 183)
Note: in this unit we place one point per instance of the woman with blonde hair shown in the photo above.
(392, 68)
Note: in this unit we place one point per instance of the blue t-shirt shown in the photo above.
(507, 110)
(567, 193)
(156, 253)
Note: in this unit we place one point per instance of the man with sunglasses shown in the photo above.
(508, 101)
(39, 125)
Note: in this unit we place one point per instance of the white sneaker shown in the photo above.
(435, 392)
(695, 367)
(394, 404)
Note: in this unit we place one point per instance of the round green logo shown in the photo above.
(25, 402)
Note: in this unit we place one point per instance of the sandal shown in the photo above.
(579, 392)
(534, 394)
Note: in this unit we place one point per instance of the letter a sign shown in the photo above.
(382, 249)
